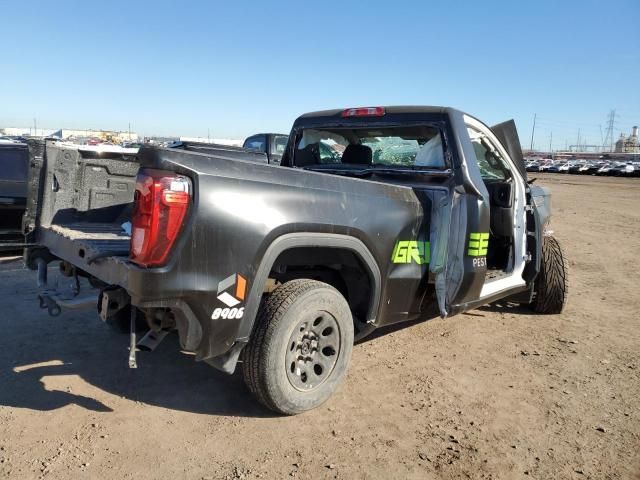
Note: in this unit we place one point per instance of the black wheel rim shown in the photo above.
(312, 351)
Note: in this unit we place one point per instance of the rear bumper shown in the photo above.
(159, 288)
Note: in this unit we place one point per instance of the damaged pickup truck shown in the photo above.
(375, 216)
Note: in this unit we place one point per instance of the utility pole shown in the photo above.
(578, 142)
(611, 124)
(35, 127)
(129, 131)
(208, 136)
(533, 131)
(551, 143)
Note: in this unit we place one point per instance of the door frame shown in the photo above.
(514, 281)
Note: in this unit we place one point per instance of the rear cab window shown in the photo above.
(391, 147)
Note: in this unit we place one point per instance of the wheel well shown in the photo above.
(341, 268)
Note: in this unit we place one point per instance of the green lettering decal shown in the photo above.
(478, 244)
(411, 251)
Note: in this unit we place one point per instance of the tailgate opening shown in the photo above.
(80, 199)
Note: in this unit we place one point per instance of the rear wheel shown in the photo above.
(300, 347)
(550, 291)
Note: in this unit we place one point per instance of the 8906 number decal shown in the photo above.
(227, 313)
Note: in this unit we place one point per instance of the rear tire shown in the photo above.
(551, 285)
(300, 347)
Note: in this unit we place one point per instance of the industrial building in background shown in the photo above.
(78, 136)
(628, 144)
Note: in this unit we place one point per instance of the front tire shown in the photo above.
(300, 347)
(551, 285)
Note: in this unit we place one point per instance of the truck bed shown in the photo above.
(79, 199)
(81, 196)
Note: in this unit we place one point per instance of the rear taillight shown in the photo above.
(364, 112)
(161, 202)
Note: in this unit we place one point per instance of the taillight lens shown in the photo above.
(161, 202)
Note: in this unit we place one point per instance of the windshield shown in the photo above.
(390, 147)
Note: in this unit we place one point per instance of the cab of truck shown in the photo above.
(271, 144)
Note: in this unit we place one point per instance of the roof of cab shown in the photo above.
(393, 109)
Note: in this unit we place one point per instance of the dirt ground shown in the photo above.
(494, 393)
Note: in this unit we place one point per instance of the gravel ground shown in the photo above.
(494, 393)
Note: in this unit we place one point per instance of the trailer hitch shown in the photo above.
(54, 300)
(50, 304)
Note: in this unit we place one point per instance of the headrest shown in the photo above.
(358, 154)
(307, 156)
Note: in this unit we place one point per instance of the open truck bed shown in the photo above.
(81, 196)
(80, 200)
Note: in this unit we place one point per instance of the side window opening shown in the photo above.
(491, 164)
(257, 142)
(279, 144)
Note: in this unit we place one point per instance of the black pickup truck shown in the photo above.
(272, 145)
(14, 167)
(375, 216)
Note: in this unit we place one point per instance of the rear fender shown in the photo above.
(294, 240)
(228, 361)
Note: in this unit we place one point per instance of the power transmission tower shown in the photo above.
(611, 125)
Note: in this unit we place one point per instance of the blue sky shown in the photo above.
(234, 68)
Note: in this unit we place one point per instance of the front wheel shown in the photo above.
(551, 286)
(300, 347)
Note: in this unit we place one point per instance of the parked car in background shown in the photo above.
(533, 167)
(545, 165)
(575, 167)
(622, 170)
(271, 144)
(14, 168)
(605, 169)
(589, 168)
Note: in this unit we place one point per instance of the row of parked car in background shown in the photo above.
(585, 167)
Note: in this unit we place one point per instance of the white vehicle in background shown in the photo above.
(605, 169)
(564, 168)
(545, 164)
(625, 170)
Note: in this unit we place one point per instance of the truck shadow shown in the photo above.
(507, 307)
(84, 363)
(48, 363)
